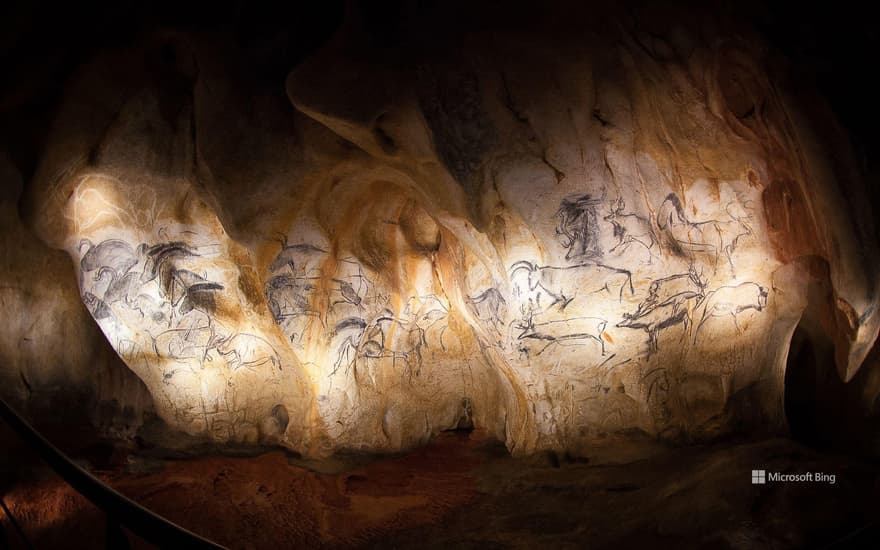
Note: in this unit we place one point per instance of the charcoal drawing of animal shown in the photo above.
(287, 296)
(428, 313)
(489, 306)
(190, 290)
(687, 237)
(245, 350)
(731, 301)
(578, 226)
(629, 229)
(562, 284)
(351, 331)
(741, 218)
(671, 301)
(161, 260)
(562, 332)
(96, 306)
(655, 319)
(114, 254)
(675, 290)
(120, 288)
(156, 310)
(293, 254)
(191, 338)
(378, 342)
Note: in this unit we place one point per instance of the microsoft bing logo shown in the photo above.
(759, 477)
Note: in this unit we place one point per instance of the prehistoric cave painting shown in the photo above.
(114, 254)
(712, 237)
(347, 294)
(193, 291)
(112, 263)
(489, 307)
(353, 288)
(350, 332)
(674, 289)
(404, 337)
(295, 275)
(574, 331)
(653, 321)
(178, 304)
(562, 284)
(118, 288)
(96, 306)
(686, 237)
(670, 302)
(630, 229)
(191, 332)
(740, 216)
(578, 227)
(287, 296)
(681, 298)
(295, 257)
(731, 301)
(430, 314)
(245, 350)
(185, 343)
(389, 337)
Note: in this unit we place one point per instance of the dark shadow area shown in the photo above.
(802, 391)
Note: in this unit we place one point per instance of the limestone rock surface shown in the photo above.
(598, 226)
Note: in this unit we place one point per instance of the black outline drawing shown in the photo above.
(375, 345)
(745, 230)
(673, 290)
(190, 291)
(564, 332)
(666, 306)
(182, 344)
(353, 328)
(657, 387)
(489, 307)
(287, 296)
(655, 320)
(161, 259)
(630, 228)
(430, 313)
(96, 306)
(119, 288)
(671, 214)
(290, 255)
(579, 226)
(245, 350)
(732, 300)
(188, 302)
(114, 254)
(562, 286)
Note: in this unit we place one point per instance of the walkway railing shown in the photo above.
(120, 510)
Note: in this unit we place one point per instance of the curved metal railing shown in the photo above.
(119, 509)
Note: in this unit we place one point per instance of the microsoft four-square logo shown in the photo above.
(759, 477)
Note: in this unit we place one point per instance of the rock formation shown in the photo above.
(602, 225)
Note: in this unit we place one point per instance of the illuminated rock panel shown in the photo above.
(557, 240)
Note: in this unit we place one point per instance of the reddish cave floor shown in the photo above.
(465, 491)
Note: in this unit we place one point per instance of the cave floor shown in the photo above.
(463, 491)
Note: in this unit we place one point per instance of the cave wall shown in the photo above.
(57, 366)
(601, 225)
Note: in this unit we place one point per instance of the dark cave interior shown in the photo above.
(251, 97)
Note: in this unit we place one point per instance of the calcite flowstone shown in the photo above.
(584, 231)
